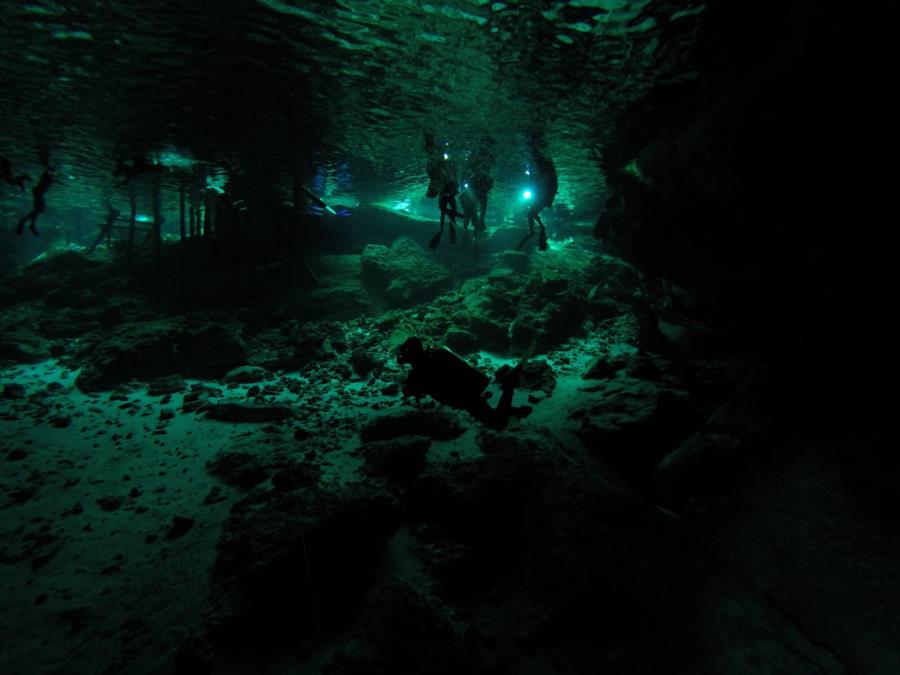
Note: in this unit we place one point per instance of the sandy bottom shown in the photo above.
(110, 518)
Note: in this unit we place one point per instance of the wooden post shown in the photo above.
(207, 217)
(181, 211)
(193, 223)
(132, 220)
(157, 225)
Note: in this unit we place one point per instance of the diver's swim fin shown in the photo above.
(509, 377)
(527, 355)
(435, 240)
(522, 243)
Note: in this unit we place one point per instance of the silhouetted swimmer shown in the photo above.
(112, 215)
(447, 205)
(480, 182)
(443, 185)
(469, 208)
(7, 175)
(449, 379)
(39, 204)
(544, 173)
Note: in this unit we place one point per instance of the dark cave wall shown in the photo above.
(760, 188)
(764, 188)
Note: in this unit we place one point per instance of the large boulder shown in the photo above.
(23, 346)
(147, 350)
(430, 423)
(718, 454)
(634, 423)
(276, 543)
(404, 273)
(246, 375)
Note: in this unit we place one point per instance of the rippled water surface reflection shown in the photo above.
(338, 88)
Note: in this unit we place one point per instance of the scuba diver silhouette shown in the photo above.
(480, 182)
(442, 184)
(544, 192)
(449, 379)
(7, 175)
(112, 215)
(39, 204)
(469, 208)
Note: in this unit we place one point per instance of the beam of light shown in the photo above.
(526, 195)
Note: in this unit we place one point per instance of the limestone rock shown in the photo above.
(431, 423)
(514, 260)
(149, 349)
(233, 411)
(634, 423)
(362, 362)
(246, 375)
(23, 346)
(161, 386)
(399, 459)
(538, 376)
(274, 542)
(403, 273)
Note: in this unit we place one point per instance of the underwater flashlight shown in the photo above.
(526, 194)
(466, 186)
(446, 156)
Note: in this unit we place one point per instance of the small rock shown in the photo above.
(179, 527)
(538, 376)
(14, 390)
(109, 503)
(162, 386)
(391, 389)
(238, 469)
(600, 369)
(231, 411)
(16, 455)
(400, 459)
(166, 414)
(246, 375)
(61, 421)
(430, 423)
(363, 362)
(514, 260)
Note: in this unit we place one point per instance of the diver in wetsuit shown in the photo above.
(39, 204)
(480, 181)
(544, 172)
(112, 215)
(448, 379)
(442, 184)
(469, 208)
(7, 175)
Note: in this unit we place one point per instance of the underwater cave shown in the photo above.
(528, 337)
